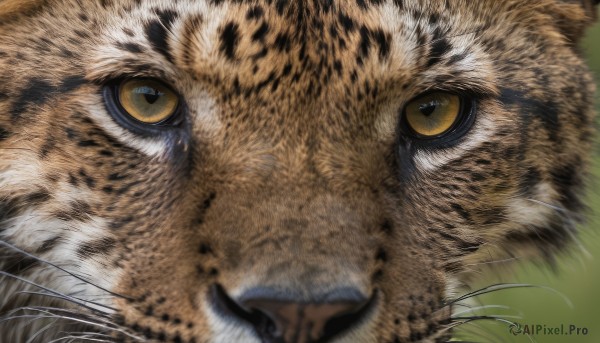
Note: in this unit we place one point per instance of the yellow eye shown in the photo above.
(433, 114)
(148, 101)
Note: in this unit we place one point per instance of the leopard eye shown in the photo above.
(146, 100)
(432, 115)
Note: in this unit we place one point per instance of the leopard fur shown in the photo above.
(288, 170)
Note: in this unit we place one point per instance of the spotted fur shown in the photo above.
(288, 171)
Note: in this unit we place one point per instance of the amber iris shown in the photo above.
(433, 114)
(147, 101)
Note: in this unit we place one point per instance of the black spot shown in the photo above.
(127, 187)
(106, 153)
(377, 275)
(364, 46)
(381, 255)
(476, 177)
(131, 47)
(120, 223)
(282, 42)
(37, 198)
(88, 143)
(157, 32)
(89, 181)
(387, 226)
(229, 39)
(438, 49)
(117, 177)
(456, 58)
(97, 247)
(255, 12)
(260, 33)
(461, 211)
(205, 249)
(48, 145)
(347, 23)
(79, 210)
(383, 41)
(149, 311)
(48, 244)
(281, 6)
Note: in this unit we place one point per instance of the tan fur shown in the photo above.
(10, 8)
(288, 168)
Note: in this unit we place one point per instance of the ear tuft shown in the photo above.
(590, 7)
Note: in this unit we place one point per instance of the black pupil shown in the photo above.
(151, 94)
(428, 108)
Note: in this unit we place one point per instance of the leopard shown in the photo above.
(278, 171)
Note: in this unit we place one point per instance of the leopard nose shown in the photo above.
(277, 319)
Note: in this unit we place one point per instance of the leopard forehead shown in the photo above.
(288, 183)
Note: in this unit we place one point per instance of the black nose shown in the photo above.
(277, 319)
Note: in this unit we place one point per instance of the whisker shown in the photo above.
(74, 300)
(10, 246)
(504, 286)
(485, 307)
(77, 320)
(40, 331)
(72, 338)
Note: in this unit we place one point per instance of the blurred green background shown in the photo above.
(577, 276)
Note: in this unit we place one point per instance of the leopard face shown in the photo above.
(279, 171)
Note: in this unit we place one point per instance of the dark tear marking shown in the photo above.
(229, 39)
(70, 83)
(546, 111)
(157, 32)
(102, 246)
(38, 91)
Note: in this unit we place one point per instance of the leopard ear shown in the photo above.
(590, 7)
(573, 17)
(10, 8)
